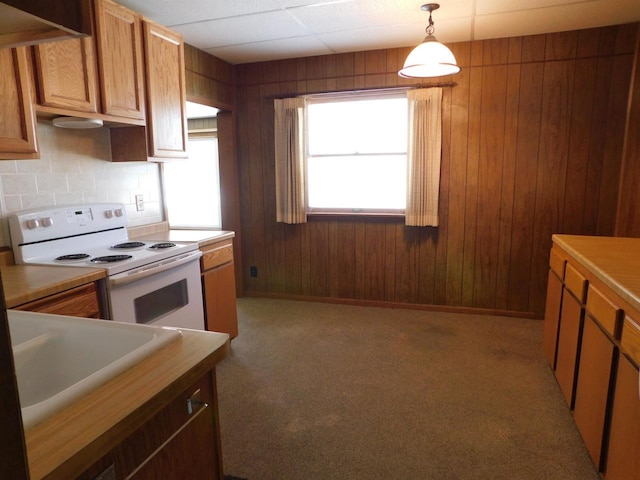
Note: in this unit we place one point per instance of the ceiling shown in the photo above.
(244, 31)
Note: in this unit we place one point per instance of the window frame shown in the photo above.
(350, 96)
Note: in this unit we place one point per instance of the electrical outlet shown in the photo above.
(253, 271)
(139, 202)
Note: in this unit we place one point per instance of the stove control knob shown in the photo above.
(46, 221)
(108, 213)
(118, 212)
(32, 223)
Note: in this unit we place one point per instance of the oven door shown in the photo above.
(168, 293)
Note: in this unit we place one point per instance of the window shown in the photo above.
(192, 186)
(359, 153)
(356, 151)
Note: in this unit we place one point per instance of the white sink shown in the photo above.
(58, 359)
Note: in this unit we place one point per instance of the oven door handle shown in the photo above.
(153, 269)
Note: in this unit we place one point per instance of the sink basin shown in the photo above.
(58, 359)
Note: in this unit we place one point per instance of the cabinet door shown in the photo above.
(568, 340)
(623, 459)
(220, 299)
(592, 388)
(181, 441)
(66, 74)
(552, 317)
(187, 454)
(166, 93)
(119, 42)
(17, 120)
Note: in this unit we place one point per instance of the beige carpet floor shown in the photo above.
(321, 391)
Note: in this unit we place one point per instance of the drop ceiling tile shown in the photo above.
(271, 50)
(552, 19)
(391, 37)
(242, 30)
(357, 14)
(485, 7)
(170, 12)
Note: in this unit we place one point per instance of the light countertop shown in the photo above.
(26, 283)
(615, 261)
(202, 237)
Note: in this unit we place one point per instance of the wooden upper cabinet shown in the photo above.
(166, 92)
(66, 73)
(17, 121)
(119, 43)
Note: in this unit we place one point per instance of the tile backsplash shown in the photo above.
(75, 168)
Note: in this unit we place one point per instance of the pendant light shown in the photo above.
(431, 58)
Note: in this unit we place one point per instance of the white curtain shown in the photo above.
(423, 156)
(290, 160)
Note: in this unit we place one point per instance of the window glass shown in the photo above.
(192, 186)
(357, 153)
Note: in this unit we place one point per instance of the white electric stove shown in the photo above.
(147, 282)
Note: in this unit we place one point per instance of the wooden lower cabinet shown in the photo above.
(598, 347)
(592, 388)
(552, 317)
(569, 332)
(219, 288)
(180, 441)
(80, 301)
(623, 458)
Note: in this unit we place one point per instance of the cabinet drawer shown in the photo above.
(77, 302)
(630, 339)
(605, 312)
(557, 263)
(575, 282)
(216, 254)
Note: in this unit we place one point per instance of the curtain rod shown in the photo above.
(366, 90)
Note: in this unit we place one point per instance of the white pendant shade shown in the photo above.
(429, 59)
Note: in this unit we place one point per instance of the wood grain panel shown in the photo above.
(120, 59)
(18, 120)
(592, 388)
(527, 151)
(492, 126)
(508, 186)
(628, 215)
(457, 188)
(623, 455)
(67, 74)
(166, 91)
(77, 302)
(374, 266)
(471, 187)
(525, 182)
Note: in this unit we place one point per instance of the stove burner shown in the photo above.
(128, 245)
(162, 245)
(110, 258)
(73, 256)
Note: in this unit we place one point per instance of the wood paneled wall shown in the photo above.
(532, 139)
(628, 220)
(209, 80)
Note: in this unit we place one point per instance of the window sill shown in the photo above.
(355, 215)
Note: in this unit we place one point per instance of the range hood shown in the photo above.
(28, 22)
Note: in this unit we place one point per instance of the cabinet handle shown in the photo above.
(195, 401)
